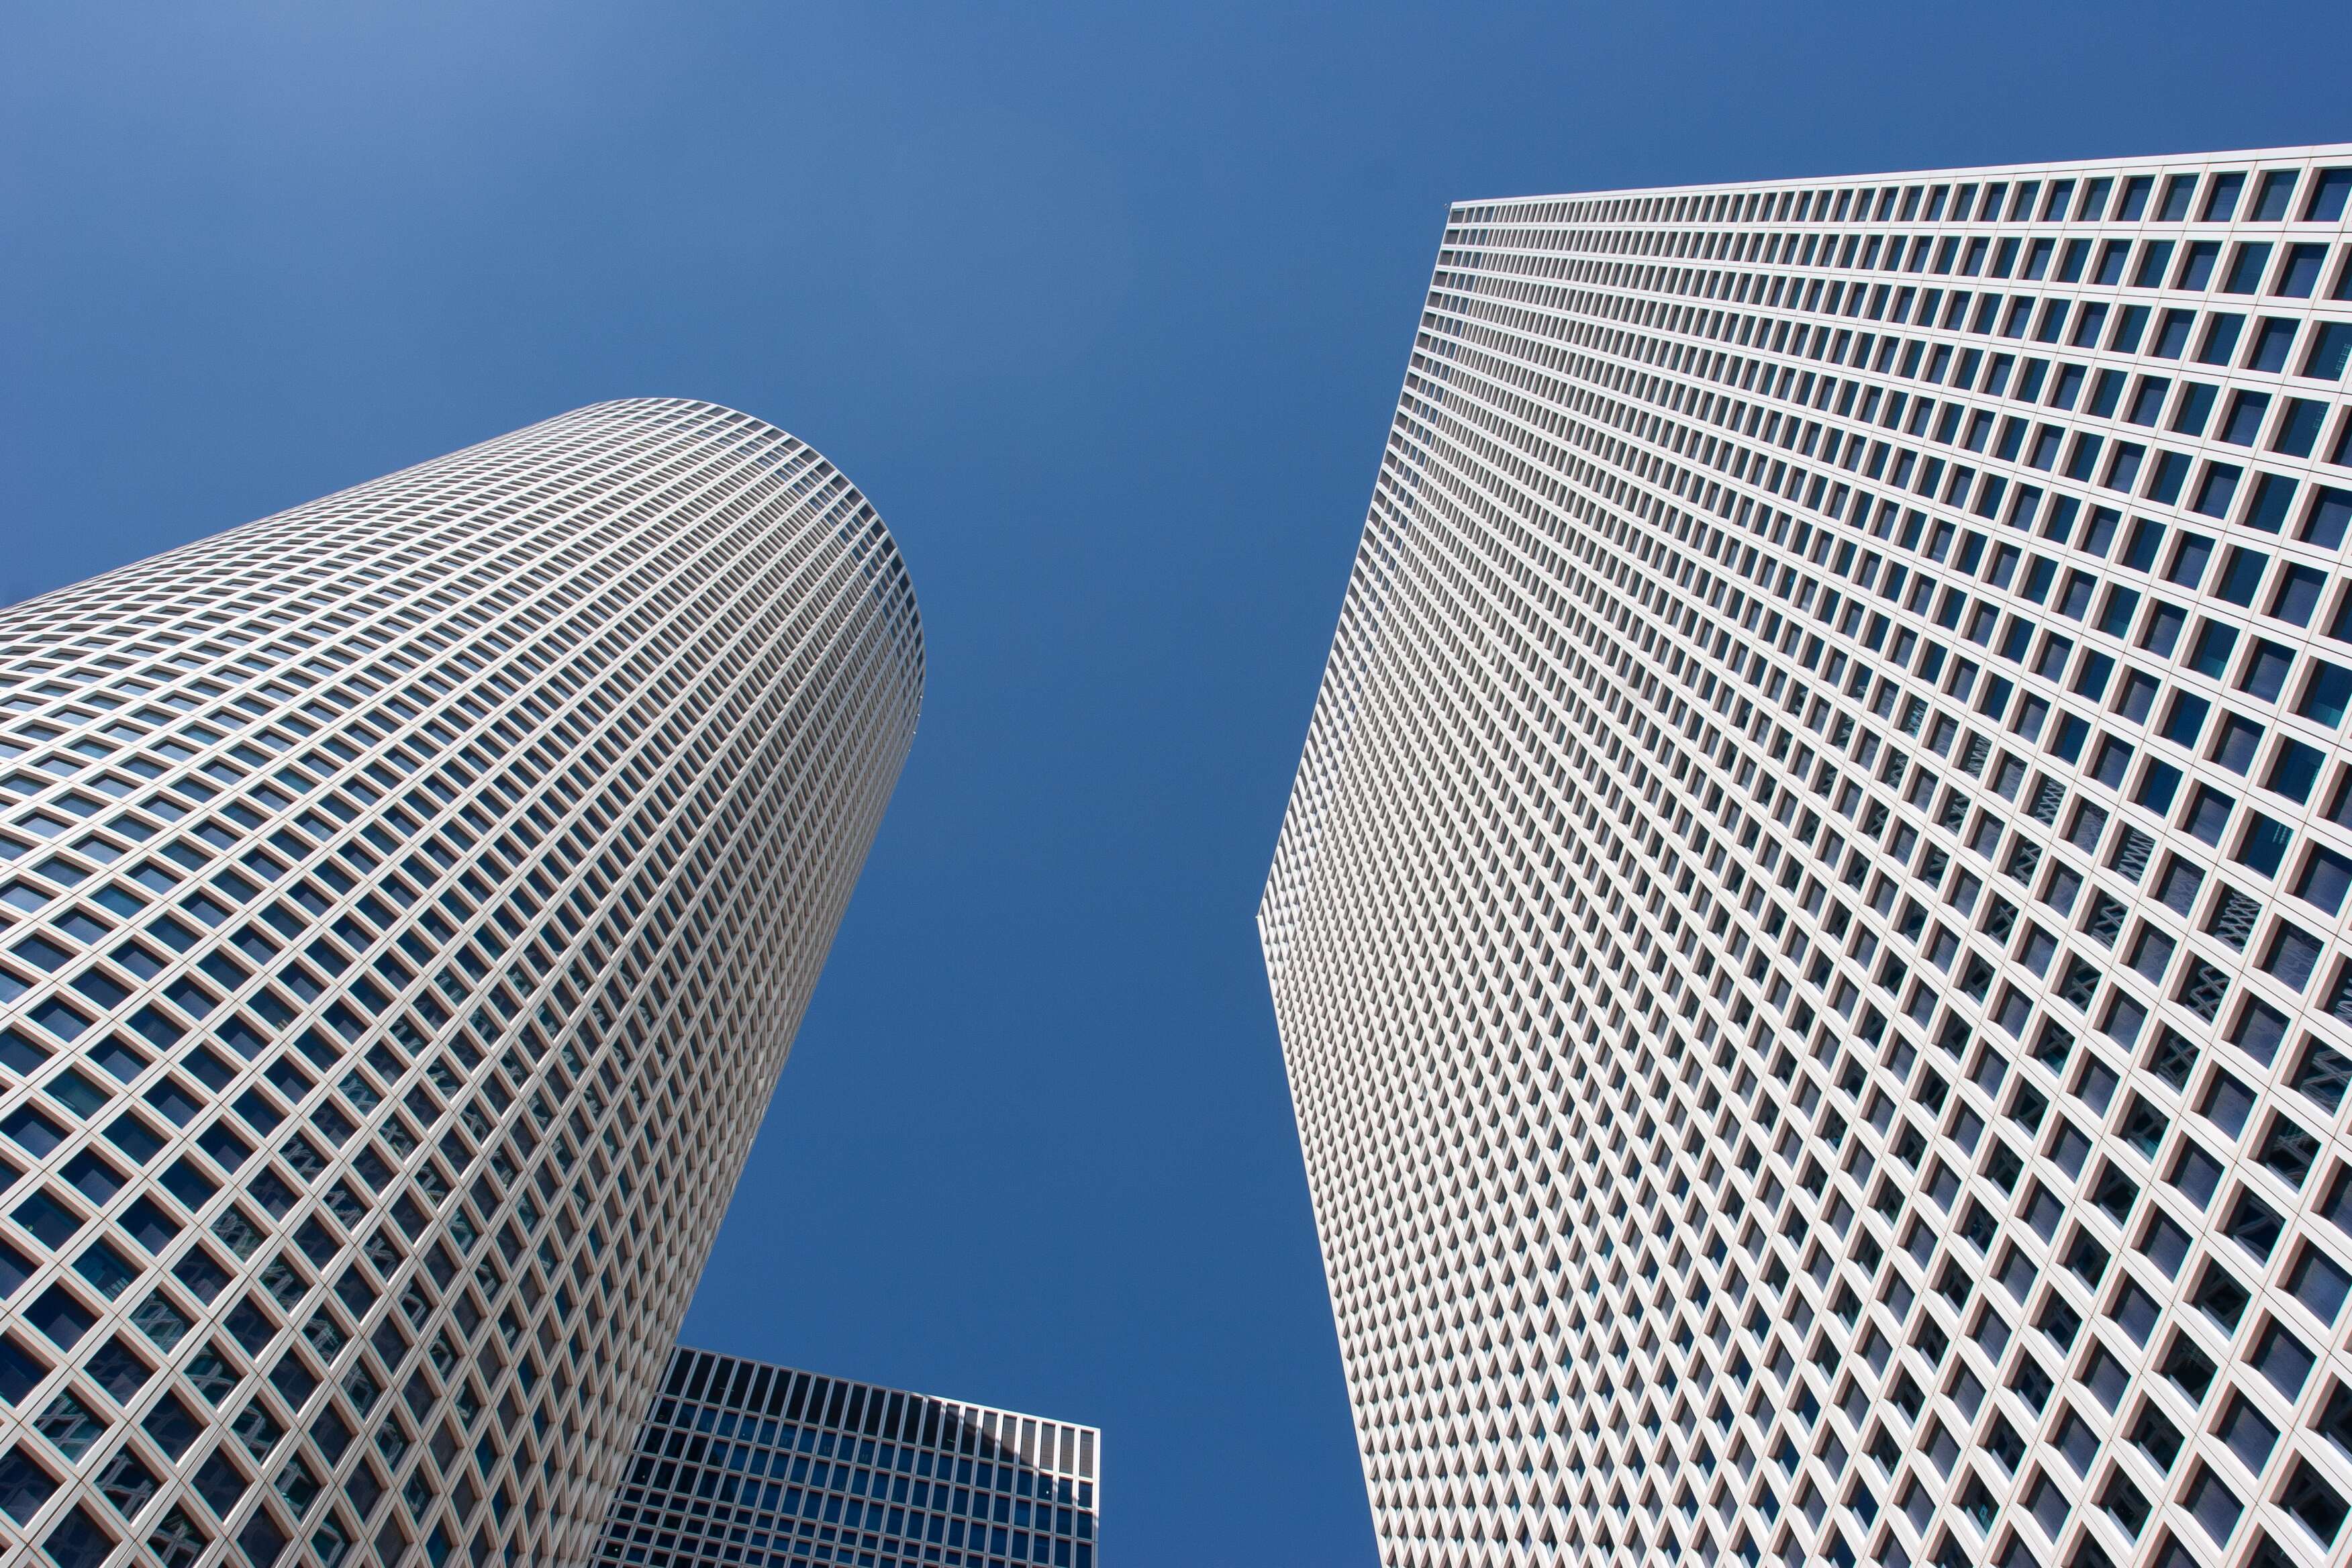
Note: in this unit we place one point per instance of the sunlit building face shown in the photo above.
(409, 900)
(1807, 938)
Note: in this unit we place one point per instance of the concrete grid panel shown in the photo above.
(1808, 934)
(406, 904)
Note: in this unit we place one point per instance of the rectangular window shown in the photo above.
(2326, 693)
(2247, 266)
(2171, 473)
(2197, 267)
(2326, 522)
(2276, 195)
(2299, 273)
(2123, 471)
(2189, 560)
(2172, 337)
(2245, 422)
(2196, 409)
(2221, 198)
(2214, 641)
(2220, 341)
(2242, 576)
(2086, 456)
(2331, 346)
(2131, 325)
(2299, 426)
(2327, 194)
(2274, 342)
(2273, 498)
(2215, 490)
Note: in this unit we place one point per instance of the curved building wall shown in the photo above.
(406, 905)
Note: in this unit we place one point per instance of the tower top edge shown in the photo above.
(682, 1348)
(1811, 182)
(673, 403)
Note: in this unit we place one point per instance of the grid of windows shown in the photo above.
(406, 903)
(744, 1462)
(1808, 936)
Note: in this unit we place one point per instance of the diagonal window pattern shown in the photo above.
(1807, 936)
(406, 903)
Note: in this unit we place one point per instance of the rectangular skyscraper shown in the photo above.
(406, 903)
(741, 1461)
(1808, 936)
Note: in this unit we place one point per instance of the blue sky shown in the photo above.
(1106, 309)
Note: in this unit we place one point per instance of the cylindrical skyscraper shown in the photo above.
(409, 900)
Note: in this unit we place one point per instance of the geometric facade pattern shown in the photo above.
(744, 1462)
(1809, 934)
(406, 904)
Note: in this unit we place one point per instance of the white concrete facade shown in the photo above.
(406, 904)
(1808, 938)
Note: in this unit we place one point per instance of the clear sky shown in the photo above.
(1106, 308)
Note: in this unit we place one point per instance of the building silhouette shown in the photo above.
(409, 902)
(1807, 936)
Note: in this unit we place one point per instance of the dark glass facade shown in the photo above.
(744, 1462)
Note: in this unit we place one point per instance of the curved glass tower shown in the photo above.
(409, 900)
